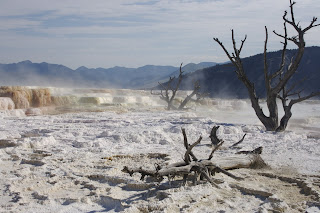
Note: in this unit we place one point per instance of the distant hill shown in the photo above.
(26, 73)
(222, 81)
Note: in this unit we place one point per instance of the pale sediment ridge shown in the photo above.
(17, 97)
(17, 100)
(21, 101)
(24, 97)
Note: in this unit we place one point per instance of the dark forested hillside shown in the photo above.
(222, 81)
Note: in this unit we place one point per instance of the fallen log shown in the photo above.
(239, 161)
(221, 164)
(203, 168)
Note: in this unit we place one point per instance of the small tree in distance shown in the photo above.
(276, 82)
(169, 90)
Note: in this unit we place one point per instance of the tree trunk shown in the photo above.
(271, 122)
(285, 119)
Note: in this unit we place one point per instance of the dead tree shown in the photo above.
(276, 82)
(201, 168)
(169, 90)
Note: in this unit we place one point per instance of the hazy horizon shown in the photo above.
(145, 65)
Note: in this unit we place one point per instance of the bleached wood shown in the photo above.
(203, 168)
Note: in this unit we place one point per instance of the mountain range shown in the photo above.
(219, 80)
(26, 73)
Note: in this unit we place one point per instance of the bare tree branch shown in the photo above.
(174, 91)
(226, 51)
(186, 145)
(266, 74)
(311, 25)
(294, 101)
(293, 86)
(186, 156)
(236, 61)
(283, 55)
(215, 149)
(195, 91)
(240, 141)
(293, 39)
(242, 43)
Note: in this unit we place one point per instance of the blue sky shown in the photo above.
(133, 33)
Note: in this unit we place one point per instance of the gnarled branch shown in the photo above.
(204, 168)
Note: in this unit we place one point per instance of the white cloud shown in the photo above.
(101, 33)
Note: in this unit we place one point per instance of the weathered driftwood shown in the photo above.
(218, 142)
(238, 161)
(215, 148)
(213, 136)
(241, 140)
(222, 164)
(255, 151)
(186, 145)
(203, 168)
